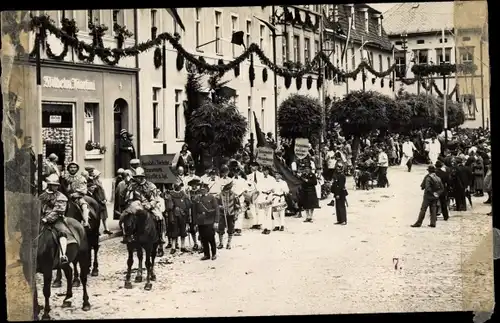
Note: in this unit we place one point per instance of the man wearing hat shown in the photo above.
(130, 138)
(51, 166)
(96, 190)
(193, 193)
(75, 186)
(134, 163)
(339, 194)
(54, 205)
(230, 206)
(120, 194)
(178, 207)
(433, 188)
(125, 150)
(206, 213)
(407, 150)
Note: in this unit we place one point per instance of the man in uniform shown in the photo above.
(230, 206)
(54, 205)
(206, 213)
(75, 186)
(194, 193)
(143, 194)
(178, 207)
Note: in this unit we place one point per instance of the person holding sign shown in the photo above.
(309, 199)
(265, 186)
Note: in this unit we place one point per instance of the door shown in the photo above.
(120, 122)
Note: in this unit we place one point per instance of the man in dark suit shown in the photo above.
(445, 179)
(206, 212)
(339, 193)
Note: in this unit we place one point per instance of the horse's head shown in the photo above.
(129, 221)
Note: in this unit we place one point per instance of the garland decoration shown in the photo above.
(237, 71)
(381, 82)
(264, 75)
(288, 81)
(251, 71)
(319, 81)
(309, 82)
(154, 30)
(297, 20)
(69, 26)
(179, 62)
(308, 24)
(423, 70)
(390, 83)
(434, 86)
(373, 80)
(200, 66)
(157, 57)
(298, 82)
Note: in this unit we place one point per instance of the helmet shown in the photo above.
(52, 179)
(139, 172)
(52, 157)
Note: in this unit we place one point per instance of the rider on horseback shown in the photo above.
(76, 189)
(54, 205)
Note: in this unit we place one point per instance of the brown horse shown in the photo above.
(48, 259)
(142, 225)
(74, 212)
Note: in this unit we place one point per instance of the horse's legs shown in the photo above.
(130, 262)
(95, 266)
(76, 280)
(140, 256)
(148, 285)
(68, 273)
(58, 281)
(153, 256)
(84, 272)
(47, 279)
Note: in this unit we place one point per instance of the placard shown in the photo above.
(157, 169)
(53, 119)
(265, 156)
(301, 147)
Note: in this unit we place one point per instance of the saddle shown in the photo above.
(62, 226)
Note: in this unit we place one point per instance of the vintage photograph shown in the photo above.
(247, 161)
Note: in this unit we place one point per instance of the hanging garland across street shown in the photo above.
(111, 56)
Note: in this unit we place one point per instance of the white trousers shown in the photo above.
(279, 218)
(253, 214)
(265, 216)
(238, 224)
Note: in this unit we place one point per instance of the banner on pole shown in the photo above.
(301, 147)
(265, 156)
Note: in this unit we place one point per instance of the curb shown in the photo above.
(110, 236)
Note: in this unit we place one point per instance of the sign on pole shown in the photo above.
(265, 156)
(157, 169)
(301, 147)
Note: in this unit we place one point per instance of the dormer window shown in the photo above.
(367, 22)
(352, 16)
(379, 23)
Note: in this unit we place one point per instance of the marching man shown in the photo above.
(265, 186)
(279, 203)
(230, 206)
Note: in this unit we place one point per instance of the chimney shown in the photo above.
(379, 23)
(336, 13)
(366, 18)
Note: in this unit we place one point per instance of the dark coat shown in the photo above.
(206, 210)
(445, 178)
(125, 154)
(338, 185)
(308, 198)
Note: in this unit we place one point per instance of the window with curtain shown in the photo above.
(218, 32)
(234, 28)
(157, 117)
(198, 26)
(91, 130)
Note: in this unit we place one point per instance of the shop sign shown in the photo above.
(55, 119)
(53, 82)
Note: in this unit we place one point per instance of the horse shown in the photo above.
(73, 211)
(48, 258)
(141, 224)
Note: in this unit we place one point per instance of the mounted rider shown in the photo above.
(54, 204)
(75, 186)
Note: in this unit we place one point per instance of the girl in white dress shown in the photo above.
(279, 203)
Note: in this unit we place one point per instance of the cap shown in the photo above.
(120, 171)
(431, 168)
(89, 168)
(135, 161)
(52, 157)
(139, 172)
(194, 182)
(52, 179)
(123, 131)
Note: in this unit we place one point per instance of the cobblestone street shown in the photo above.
(316, 268)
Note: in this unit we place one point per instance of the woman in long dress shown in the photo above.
(309, 199)
(478, 173)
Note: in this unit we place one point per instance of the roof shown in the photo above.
(419, 17)
(359, 32)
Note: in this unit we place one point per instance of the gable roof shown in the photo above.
(342, 27)
(419, 17)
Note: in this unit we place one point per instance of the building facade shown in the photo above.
(81, 102)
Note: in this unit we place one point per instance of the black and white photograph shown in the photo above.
(266, 160)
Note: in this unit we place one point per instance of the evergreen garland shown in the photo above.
(298, 82)
(288, 81)
(237, 71)
(179, 62)
(309, 82)
(264, 75)
(157, 57)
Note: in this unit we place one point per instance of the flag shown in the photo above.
(261, 137)
(175, 15)
(270, 26)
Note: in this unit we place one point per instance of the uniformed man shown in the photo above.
(230, 206)
(206, 212)
(54, 204)
(75, 186)
(194, 193)
(134, 164)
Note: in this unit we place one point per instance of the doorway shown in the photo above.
(58, 132)
(120, 117)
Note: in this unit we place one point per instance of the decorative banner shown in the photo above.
(301, 147)
(157, 169)
(265, 156)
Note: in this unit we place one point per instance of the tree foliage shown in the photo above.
(194, 100)
(299, 116)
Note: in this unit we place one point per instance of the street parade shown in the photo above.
(329, 201)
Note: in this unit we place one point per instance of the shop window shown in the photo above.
(156, 113)
(91, 122)
(421, 56)
(179, 115)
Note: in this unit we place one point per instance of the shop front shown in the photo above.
(83, 112)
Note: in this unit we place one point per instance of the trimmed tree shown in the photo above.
(358, 114)
(194, 100)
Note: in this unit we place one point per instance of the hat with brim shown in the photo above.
(52, 180)
(135, 161)
(194, 182)
(139, 175)
(122, 132)
(89, 168)
(72, 164)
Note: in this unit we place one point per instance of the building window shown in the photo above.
(179, 115)
(249, 32)
(234, 28)
(388, 62)
(466, 38)
(439, 55)
(353, 59)
(262, 30)
(307, 53)
(380, 64)
(420, 41)
(316, 47)
(284, 49)
(93, 17)
(372, 62)
(68, 14)
(91, 122)
(118, 17)
(263, 113)
(154, 24)
(367, 23)
(466, 55)
(296, 49)
(446, 40)
(156, 112)
(400, 65)
(421, 56)
(218, 34)
(197, 26)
